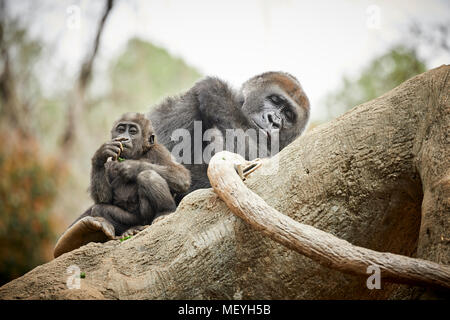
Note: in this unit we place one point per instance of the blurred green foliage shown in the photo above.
(381, 75)
(142, 75)
(145, 73)
(28, 188)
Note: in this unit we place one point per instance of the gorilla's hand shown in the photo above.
(111, 148)
(129, 169)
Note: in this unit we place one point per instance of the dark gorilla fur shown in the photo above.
(267, 102)
(132, 193)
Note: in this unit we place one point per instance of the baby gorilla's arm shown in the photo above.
(127, 170)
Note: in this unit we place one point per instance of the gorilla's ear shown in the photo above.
(152, 139)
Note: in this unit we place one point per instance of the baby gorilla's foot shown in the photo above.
(85, 230)
(99, 224)
(132, 231)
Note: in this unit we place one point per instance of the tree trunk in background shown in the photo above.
(13, 111)
(77, 102)
(378, 177)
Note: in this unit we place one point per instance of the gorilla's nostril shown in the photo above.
(274, 121)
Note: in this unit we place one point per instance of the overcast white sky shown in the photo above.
(317, 41)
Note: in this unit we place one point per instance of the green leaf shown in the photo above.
(125, 238)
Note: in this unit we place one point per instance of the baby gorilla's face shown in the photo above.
(131, 136)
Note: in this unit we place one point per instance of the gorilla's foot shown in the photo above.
(85, 230)
(133, 230)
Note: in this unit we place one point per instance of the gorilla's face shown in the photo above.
(273, 112)
(131, 136)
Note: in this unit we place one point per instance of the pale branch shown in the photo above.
(318, 245)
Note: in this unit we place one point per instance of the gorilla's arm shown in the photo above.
(217, 104)
(176, 176)
(100, 188)
(127, 170)
(160, 160)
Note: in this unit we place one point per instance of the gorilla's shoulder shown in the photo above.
(211, 84)
(212, 91)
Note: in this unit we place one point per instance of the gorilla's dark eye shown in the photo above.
(276, 99)
(289, 114)
(133, 131)
(120, 129)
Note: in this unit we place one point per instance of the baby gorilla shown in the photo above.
(134, 179)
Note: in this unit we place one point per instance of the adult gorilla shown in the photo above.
(272, 103)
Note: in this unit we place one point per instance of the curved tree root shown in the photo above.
(318, 245)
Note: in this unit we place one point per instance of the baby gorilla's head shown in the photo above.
(135, 132)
